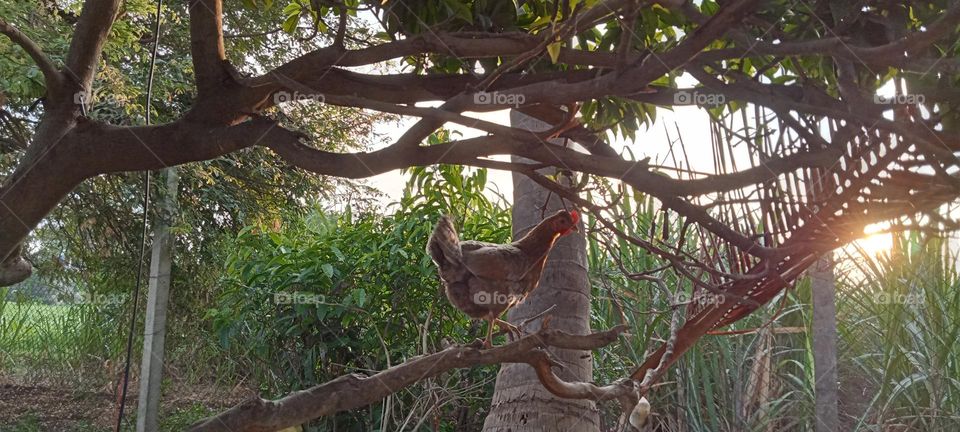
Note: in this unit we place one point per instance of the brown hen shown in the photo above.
(485, 279)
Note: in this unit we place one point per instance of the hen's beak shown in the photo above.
(575, 228)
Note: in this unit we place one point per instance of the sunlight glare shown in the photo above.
(874, 244)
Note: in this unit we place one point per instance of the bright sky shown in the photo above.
(691, 121)
(653, 142)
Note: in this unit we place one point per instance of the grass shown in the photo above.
(51, 342)
(900, 328)
(68, 346)
(899, 320)
(175, 420)
(898, 323)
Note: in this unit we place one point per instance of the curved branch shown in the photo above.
(51, 75)
(354, 391)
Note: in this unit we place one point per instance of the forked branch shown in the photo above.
(355, 390)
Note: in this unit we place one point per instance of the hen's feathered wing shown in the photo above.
(492, 261)
(480, 278)
(460, 286)
(502, 262)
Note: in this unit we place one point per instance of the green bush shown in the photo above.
(315, 297)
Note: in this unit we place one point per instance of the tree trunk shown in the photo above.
(520, 403)
(825, 344)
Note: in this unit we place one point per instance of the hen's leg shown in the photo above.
(488, 342)
(509, 328)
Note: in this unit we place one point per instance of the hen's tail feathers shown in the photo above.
(444, 244)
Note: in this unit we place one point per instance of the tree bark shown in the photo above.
(825, 345)
(520, 402)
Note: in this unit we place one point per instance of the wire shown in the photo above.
(146, 212)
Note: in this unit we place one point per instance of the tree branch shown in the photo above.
(96, 19)
(354, 391)
(51, 75)
(206, 46)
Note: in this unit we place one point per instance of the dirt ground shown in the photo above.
(53, 409)
(27, 408)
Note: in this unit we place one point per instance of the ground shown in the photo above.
(28, 408)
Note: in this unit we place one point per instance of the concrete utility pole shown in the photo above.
(155, 323)
(824, 291)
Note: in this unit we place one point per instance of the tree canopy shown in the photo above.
(806, 151)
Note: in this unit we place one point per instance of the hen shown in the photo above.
(485, 279)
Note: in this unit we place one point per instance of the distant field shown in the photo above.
(22, 321)
(50, 342)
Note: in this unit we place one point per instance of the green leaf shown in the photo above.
(290, 24)
(292, 9)
(554, 51)
(359, 296)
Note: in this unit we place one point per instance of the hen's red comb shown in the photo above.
(575, 216)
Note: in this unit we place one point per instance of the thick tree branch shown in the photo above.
(44, 179)
(655, 65)
(904, 48)
(936, 142)
(96, 19)
(306, 69)
(355, 391)
(206, 46)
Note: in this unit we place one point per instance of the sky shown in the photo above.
(654, 142)
(692, 121)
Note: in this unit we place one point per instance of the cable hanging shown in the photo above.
(146, 211)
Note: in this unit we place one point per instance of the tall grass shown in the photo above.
(898, 323)
(899, 329)
(54, 343)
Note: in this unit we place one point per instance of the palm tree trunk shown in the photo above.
(520, 403)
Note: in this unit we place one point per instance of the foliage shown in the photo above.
(88, 246)
(900, 329)
(325, 294)
(42, 341)
(374, 287)
(381, 305)
(706, 389)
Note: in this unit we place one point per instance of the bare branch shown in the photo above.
(96, 19)
(51, 75)
(206, 45)
(355, 391)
